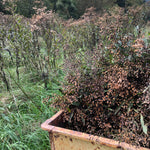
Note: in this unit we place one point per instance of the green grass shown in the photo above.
(147, 31)
(21, 116)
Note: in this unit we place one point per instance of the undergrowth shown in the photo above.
(27, 85)
(22, 114)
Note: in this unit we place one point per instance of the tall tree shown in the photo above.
(66, 8)
(50, 4)
(25, 7)
(2, 8)
(100, 5)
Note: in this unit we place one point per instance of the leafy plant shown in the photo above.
(143, 125)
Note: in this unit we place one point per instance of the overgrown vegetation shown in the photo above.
(31, 73)
(98, 66)
(105, 94)
(65, 8)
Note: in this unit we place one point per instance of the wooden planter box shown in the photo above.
(64, 139)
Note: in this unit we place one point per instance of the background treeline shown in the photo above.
(66, 8)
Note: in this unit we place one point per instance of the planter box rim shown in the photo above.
(50, 126)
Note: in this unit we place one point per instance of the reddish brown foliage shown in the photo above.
(106, 97)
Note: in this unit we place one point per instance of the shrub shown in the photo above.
(104, 95)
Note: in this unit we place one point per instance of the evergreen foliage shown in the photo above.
(68, 8)
(25, 7)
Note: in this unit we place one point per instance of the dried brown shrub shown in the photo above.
(104, 95)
